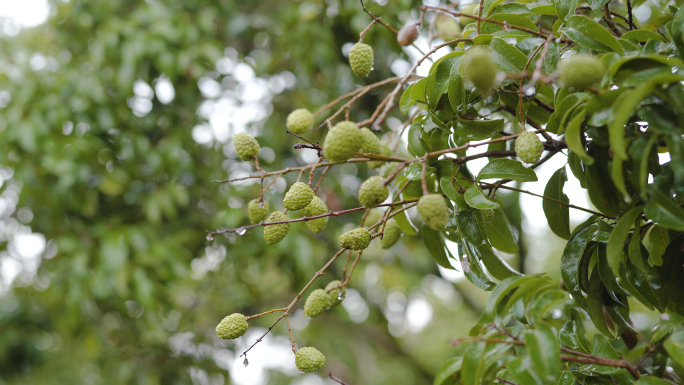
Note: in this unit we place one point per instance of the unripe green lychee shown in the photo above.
(385, 150)
(275, 233)
(361, 59)
(316, 303)
(447, 27)
(580, 71)
(255, 212)
(335, 294)
(487, 216)
(391, 235)
(480, 68)
(373, 191)
(434, 211)
(299, 121)
(371, 143)
(528, 147)
(357, 239)
(469, 9)
(407, 34)
(316, 207)
(298, 196)
(309, 359)
(232, 327)
(342, 142)
(246, 146)
(372, 218)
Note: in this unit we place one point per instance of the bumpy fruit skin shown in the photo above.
(447, 27)
(357, 239)
(316, 207)
(232, 327)
(372, 218)
(309, 359)
(298, 196)
(275, 233)
(342, 142)
(470, 9)
(373, 192)
(487, 216)
(407, 34)
(480, 68)
(391, 235)
(256, 212)
(371, 143)
(581, 71)
(385, 150)
(434, 211)
(246, 146)
(335, 294)
(299, 121)
(361, 59)
(528, 147)
(316, 303)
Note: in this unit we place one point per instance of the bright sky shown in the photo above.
(28, 13)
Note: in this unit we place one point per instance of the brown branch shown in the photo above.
(377, 19)
(479, 15)
(609, 19)
(336, 379)
(264, 313)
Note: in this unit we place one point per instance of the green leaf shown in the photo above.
(418, 90)
(590, 34)
(496, 267)
(406, 101)
(597, 4)
(476, 199)
(563, 111)
(435, 245)
(574, 136)
(472, 266)
(676, 29)
(642, 35)
(571, 259)
(650, 380)
(507, 169)
(622, 110)
(502, 290)
(456, 91)
(414, 142)
(439, 80)
(618, 236)
(572, 334)
(509, 58)
(451, 367)
(659, 238)
(565, 8)
(595, 303)
(603, 348)
(500, 235)
(405, 224)
(558, 215)
(543, 348)
(663, 210)
(469, 228)
(671, 273)
(473, 368)
(478, 129)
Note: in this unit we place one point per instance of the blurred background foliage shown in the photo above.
(115, 118)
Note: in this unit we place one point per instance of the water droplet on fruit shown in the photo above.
(245, 362)
(241, 231)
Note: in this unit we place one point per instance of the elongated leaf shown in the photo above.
(558, 215)
(565, 8)
(574, 135)
(618, 236)
(469, 227)
(650, 380)
(662, 209)
(571, 259)
(478, 129)
(642, 35)
(544, 350)
(414, 143)
(572, 333)
(659, 238)
(590, 34)
(476, 199)
(439, 80)
(677, 31)
(473, 368)
(472, 267)
(503, 289)
(671, 273)
(500, 235)
(406, 101)
(622, 110)
(509, 58)
(456, 91)
(451, 367)
(675, 347)
(507, 169)
(435, 245)
(405, 224)
(496, 267)
(595, 303)
(603, 348)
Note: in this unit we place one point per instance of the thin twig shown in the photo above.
(336, 379)
(609, 19)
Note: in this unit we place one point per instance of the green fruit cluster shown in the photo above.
(298, 196)
(275, 233)
(316, 303)
(361, 59)
(373, 191)
(469, 9)
(336, 294)
(342, 142)
(232, 327)
(434, 211)
(447, 27)
(581, 71)
(357, 239)
(487, 216)
(480, 68)
(528, 147)
(246, 146)
(256, 212)
(299, 121)
(316, 207)
(373, 217)
(391, 235)
(371, 143)
(309, 359)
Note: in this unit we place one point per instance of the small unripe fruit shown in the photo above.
(342, 142)
(407, 34)
(447, 27)
(385, 150)
(357, 239)
(391, 235)
(336, 294)
(232, 327)
(256, 212)
(316, 207)
(581, 71)
(373, 191)
(371, 143)
(487, 216)
(275, 233)
(298, 196)
(361, 59)
(434, 211)
(372, 218)
(480, 68)
(309, 359)
(528, 147)
(470, 9)
(316, 303)
(299, 121)
(246, 146)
